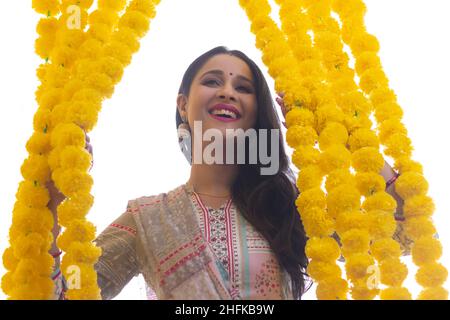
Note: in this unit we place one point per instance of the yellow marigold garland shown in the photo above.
(69, 101)
(411, 185)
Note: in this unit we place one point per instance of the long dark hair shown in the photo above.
(266, 201)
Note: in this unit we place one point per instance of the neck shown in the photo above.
(214, 179)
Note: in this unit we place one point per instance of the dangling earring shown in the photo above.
(184, 139)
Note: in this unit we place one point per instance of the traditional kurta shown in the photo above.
(186, 250)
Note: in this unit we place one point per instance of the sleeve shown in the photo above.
(118, 263)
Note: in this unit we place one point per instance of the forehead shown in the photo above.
(228, 64)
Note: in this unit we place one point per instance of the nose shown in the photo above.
(226, 92)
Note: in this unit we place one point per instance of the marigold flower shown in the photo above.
(316, 222)
(338, 177)
(426, 250)
(395, 293)
(367, 159)
(334, 133)
(355, 241)
(369, 183)
(411, 184)
(322, 249)
(32, 194)
(35, 168)
(311, 198)
(320, 270)
(309, 177)
(419, 226)
(393, 272)
(343, 198)
(332, 289)
(361, 138)
(435, 293)
(299, 116)
(335, 157)
(420, 205)
(299, 135)
(431, 274)
(351, 220)
(304, 156)
(380, 201)
(356, 265)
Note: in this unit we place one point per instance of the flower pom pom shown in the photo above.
(68, 134)
(128, 37)
(361, 138)
(364, 42)
(372, 79)
(380, 201)
(10, 261)
(317, 223)
(338, 177)
(47, 7)
(83, 252)
(135, 20)
(334, 133)
(369, 183)
(35, 168)
(431, 274)
(299, 135)
(75, 207)
(351, 220)
(426, 250)
(309, 177)
(300, 117)
(385, 248)
(120, 51)
(71, 181)
(335, 157)
(411, 184)
(421, 205)
(341, 199)
(305, 156)
(357, 265)
(398, 145)
(323, 249)
(332, 289)
(367, 159)
(147, 7)
(388, 110)
(393, 272)
(320, 270)
(116, 5)
(367, 60)
(435, 293)
(79, 230)
(382, 224)
(311, 198)
(405, 164)
(355, 241)
(389, 127)
(75, 158)
(38, 143)
(420, 226)
(328, 113)
(32, 194)
(395, 293)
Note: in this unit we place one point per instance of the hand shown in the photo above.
(280, 102)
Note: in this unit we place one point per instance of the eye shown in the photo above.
(245, 89)
(211, 81)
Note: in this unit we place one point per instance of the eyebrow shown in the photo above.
(220, 72)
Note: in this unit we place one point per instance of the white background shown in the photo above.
(135, 144)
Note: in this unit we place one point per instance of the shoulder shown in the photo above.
(140, 204)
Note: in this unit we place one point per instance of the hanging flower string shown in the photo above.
(81, 70)
(411, 185)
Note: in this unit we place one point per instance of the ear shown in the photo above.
(182, 105)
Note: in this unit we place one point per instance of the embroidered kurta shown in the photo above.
(186, 250)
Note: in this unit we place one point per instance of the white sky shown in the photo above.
(135, 144)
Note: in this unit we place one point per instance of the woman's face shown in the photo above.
(225, 80)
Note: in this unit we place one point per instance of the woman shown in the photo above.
(229, 232)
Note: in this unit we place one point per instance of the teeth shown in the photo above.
(224, 112)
